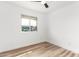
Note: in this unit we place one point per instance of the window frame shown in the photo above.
(30, 18)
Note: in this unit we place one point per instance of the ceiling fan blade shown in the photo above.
(46, 5)
(36, 1)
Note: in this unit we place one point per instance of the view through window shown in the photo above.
(29, 23)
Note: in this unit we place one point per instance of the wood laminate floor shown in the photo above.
(43, 49)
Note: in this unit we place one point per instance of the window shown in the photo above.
(29, 23)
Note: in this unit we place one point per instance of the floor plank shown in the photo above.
(43, 49)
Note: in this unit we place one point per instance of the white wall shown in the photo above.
(60, 27)
(11, 36)
(64, 27)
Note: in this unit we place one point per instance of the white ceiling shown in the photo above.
(37, 6)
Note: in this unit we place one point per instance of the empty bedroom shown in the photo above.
(39, 28)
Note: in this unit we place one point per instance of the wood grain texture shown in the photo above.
(43, 49)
